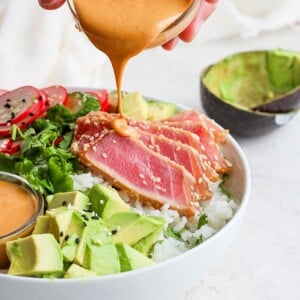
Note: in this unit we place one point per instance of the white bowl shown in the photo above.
(166, 280)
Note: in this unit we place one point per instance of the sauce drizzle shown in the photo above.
(123, 28)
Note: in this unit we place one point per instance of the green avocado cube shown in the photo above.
(102, 259)
(76, 199)
(76, 271)
(130, 259)
(94, 233)
(41, 225)
(69, 247)
(105, 201)
(36, 255)
(160, 110)
(134, 106)
(145, 244)
(130, 227)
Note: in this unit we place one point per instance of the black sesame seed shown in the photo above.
(61, 234)
(66, 238)
(84, 224)
(85, 217)
(23, 100)
(95, 217)
(64, 203)
(12, 115)
(8, 100)
(114, 231)
(23, 123)
(7, 105)
(31, 114)
(77, 241)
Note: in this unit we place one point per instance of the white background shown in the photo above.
(43, 48)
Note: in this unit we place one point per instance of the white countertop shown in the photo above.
(264, 260)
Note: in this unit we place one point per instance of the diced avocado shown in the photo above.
(130, 227)
(102, 259)
(49, 198)
(64, 222)
(130, 259)
(34, 255)
(134, 106)
(160, 110)
(145, 245)
(105, 201)
(95, 233)
(76, 271)
(69, 247)
(41, 225)
(77, 199)
(59, 221)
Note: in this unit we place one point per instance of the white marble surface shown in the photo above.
(264, 261)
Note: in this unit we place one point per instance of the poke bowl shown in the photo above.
(176, 266)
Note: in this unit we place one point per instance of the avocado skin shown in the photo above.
(239, 122)
(289, 101)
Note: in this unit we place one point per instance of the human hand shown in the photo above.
(51, 4)
(205, 10)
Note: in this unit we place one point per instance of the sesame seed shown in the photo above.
(61, 234)
(64, 203)
(77, 241)
(114, 231)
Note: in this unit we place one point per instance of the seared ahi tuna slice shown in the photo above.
(220, 134)
(182, 136)
(209, 146)
(182, 154)
(129, 164)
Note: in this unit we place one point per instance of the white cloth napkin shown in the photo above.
(41, 47)
(250, 17)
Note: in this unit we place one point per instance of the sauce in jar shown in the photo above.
(17, 207)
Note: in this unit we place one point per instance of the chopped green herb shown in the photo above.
(171, 233)
(221, 186)
(202, 221)
(48, 166)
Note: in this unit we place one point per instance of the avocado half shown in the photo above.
(252, 92)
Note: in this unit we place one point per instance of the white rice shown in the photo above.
(219, 210)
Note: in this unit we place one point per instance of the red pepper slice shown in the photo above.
(8, 146)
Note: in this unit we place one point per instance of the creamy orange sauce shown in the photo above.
(17, 206)
(123, 28)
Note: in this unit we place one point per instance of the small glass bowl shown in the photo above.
(172, 31)
(26, 228)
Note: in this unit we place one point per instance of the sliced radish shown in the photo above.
(9, 146)
(57, 94)
(17, 104)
